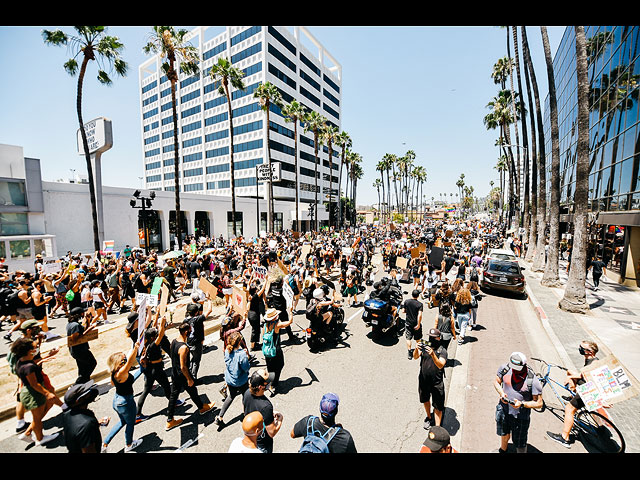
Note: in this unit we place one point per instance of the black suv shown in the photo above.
(503, 275)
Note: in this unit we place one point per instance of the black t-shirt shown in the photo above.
(597, 267)
(192, 269)
(81, 430)
(24, 369)
(448, 263)
(413, 307)
(197, 330)
(76, 327)
(169, 274)
(342, 442)
(254, 403)
(176, 369)
(429, 373)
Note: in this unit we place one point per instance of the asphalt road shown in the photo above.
(375, 381)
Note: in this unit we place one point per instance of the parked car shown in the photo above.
(503, 275)
(501, 254)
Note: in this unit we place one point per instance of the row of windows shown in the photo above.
(150, 140)
(249, 32)
(285, 61)
(192, 142)
(190, 96)
(278, 74)
(151, 126)
(151, 86)
(194, 172)
(286, 43)
(214, 51)
(247, 52)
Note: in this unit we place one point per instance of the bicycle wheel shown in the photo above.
(599, 433)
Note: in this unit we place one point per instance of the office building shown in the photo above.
(277, 55)
(614, 143)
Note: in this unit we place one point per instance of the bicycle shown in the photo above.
(594, 428)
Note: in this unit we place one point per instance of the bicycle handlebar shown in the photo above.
(549, 364)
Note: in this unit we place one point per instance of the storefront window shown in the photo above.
(20, 249)
(3, 249)
(230, 232)
(43, 246)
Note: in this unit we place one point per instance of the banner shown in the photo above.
(108, 245)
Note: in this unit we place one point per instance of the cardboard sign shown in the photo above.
(164, 299)
(606, 382)
(415, 252)
(448, 233)
(287, 292)
(401, 262)
(239, 300)
(422, 247)
(51, 266)
(152, 300)
(155, 288)
(92, 335)
(207, 288)
(306, 249)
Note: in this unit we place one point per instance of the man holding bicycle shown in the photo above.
(589, 350)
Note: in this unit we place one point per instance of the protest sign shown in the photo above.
(239, 300)
(259, 272)
(436, 255)
(287, 292)
(401, 262)
(87, 337)
(155, 288)
(606, 382)
(164, 299)
(207, 288)
(152, 300)
(51, 266)
(415, 252)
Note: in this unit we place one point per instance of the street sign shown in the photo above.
(263, 172)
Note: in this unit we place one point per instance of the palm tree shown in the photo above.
(539, 256)
(501, 166)
(356, 174)
(295, 112)
(93, 44)
(329, 135)
(344, 141)
(313, 122)
(171, 45)
(550, 278)
(268, 94)
(377, 184)
(226, 73)
(381, 167)
(515, 126)
(533, 224)
(574, 299)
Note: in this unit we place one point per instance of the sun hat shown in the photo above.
(271, 315)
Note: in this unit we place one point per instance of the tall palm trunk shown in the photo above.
(574, 299)
(232, 169)
(173, 78)
(315, 147)
(330, 147)
(550, 277)
(524, 222)
(533, 225)
(298, 220)
(539, 255)
(92, 188)
(515, 126)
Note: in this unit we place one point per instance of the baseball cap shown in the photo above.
(29, 324)
(434, 332)
(517, 361)
(437, 438)
(79, 392)
(192, 309)
(76, 311)
(329, 404)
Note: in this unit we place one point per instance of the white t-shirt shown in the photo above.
(96, 292)
(238, 447)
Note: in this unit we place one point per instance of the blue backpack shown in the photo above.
(269, 343)
(314, 443)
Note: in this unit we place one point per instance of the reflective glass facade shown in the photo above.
(614, 139)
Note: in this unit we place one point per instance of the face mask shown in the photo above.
(582, 350)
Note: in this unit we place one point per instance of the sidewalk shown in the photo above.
(62, 369)
(613, 323)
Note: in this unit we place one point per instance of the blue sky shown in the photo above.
(420, 88)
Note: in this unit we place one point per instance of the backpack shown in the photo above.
(269, 343)
(314, 443)
(530, 375)
(473, 277)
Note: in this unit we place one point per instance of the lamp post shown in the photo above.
(145, 203)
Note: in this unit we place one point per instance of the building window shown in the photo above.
(230, 232)
(14, 224)
(20, 249)
(12, 193)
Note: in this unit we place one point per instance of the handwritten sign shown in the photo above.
(259, 272)
(606, 382)
(402, 262)
(239, 300)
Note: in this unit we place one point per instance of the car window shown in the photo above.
(503, 267)
(502, 256)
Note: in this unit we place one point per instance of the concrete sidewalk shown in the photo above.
(613, 323)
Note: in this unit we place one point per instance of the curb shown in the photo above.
(8, 411)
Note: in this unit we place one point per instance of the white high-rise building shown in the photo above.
(265, 54)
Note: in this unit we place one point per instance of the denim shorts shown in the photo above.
(517, 427)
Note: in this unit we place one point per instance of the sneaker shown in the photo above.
(47, 438)
(141, 418)
(7, 337)
(559, 438)
(460, 341)
(26, 438)
(133, 446)
(206, 408)
(427, 423)
(173, 423)
(180, 403)
(24, 426)
(104, 449)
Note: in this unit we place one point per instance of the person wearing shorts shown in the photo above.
(413, 322)
(433, 358)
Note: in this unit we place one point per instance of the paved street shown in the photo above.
(376, 383)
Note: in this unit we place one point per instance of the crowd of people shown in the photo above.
(276, 273)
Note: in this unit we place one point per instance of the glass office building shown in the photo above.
(288, 57)
(614, 143)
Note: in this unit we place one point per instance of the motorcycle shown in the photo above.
(319, 334)
(378, 314)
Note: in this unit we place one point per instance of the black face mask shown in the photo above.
(582, 350)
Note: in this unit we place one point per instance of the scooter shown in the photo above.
(319, 334)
